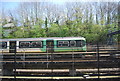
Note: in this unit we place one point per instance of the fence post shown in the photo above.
(98, 60)
(15, 63)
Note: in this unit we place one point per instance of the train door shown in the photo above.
(50, 46)
(12, 47)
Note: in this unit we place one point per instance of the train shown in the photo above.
(50, 44)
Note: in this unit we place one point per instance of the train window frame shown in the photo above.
(30, 45)
(62, 41)
(1, 47)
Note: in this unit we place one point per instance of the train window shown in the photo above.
(72, 43)
(24, 44)
(66, 44)
(80, 43)
(60, 43)
(30, 44)
(63, 43)
(0, 45)
(3, 45)
(36, 44)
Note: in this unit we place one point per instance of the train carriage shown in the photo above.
(52, 44)
(70, 44)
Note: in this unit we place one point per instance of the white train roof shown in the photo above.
(48, 38)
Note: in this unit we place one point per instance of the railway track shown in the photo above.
(64, 65)
(57, 53)
(80, 64)
(47, 77)
(67, 70)
(66, 59)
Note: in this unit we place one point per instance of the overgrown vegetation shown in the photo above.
(43, 19)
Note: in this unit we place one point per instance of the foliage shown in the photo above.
(90, 20)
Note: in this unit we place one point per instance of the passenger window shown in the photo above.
(0, 45)
(36, 44)
(24, 44)
(66, 44)
(63, 43)
(30, 44)
(80, 43)
(60, 43)
(3, 45)
(83, 43)
(72, 43)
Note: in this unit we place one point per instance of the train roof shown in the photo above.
(48, 38)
